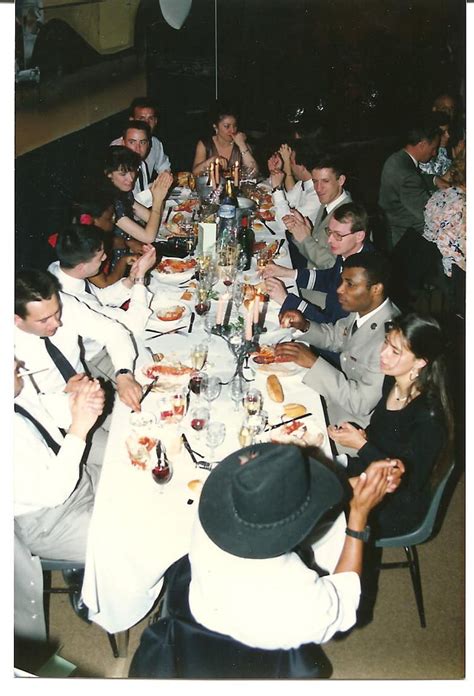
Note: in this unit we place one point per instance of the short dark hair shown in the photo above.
(304, 153)
(120, 158)
(375, 265)
(32, 285)
(221, 109)
(77, 244)
(424, 128)
(144, 103)
(138, 125)
(352, 212)
(329, 161)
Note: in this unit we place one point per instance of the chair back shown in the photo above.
(177, 647)
(425, 528)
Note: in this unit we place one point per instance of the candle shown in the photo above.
(218, 172)
(236, 174)
(220, 310)
(213, 175)
(256, 309)
(248, 322)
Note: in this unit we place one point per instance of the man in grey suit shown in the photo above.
(404, 189)
(312, 242)
(351, 393)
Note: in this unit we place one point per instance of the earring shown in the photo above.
(413, 374)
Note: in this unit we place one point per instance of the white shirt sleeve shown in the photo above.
(42, 478)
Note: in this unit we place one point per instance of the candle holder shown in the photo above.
(240, 349)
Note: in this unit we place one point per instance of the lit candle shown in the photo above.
(212, 179)
(256, 309)
(248, 322)
(220, 310)
(236, 174)
(218, 172)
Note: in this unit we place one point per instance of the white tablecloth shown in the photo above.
(138, 528)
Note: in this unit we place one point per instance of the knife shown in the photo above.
(163, 333)
(149, 388)
(168, 213)
(278, 425)
(267, 226)
(280, 244)
(191, 322)
(189, 448)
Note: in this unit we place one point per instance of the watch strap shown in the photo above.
(364, 535)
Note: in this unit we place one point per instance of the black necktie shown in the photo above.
(140, 178)
(62, 363)
(52, 444)
(354, 328)
(147, 172)
(325, 214)
(88, 287)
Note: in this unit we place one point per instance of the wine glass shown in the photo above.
(253, 401)
(196, 381)
(198, 356)
(215, 435)
(178, 401)
(210, 388)
(237, 391)
(203, 303)
(199, 418)
(238, 292)
(162, 472)
(251, 427)
(165, 409)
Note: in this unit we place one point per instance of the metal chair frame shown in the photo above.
(118, 641)
(410, 541)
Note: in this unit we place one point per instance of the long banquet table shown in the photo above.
(138, 528)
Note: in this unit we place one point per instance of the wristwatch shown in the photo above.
(123, 371)
(364, 535)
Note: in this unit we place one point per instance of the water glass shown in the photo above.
(253, 401)
(210, 388)
(215, 435)
(237, 391)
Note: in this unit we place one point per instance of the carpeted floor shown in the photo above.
(393, 646)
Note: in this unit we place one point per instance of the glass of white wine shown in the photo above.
(253, 401)
(198, 355)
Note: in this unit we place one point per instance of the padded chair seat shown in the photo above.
(177, 647)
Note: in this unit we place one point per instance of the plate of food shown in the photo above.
(173, 270)
(265, 361)
(187, 206)
(304, 433)
(170, 371)
(266, 214)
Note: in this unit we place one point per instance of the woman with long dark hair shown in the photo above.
(412, 422)
(226, 143)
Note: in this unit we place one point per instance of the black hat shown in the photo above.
(263, 500)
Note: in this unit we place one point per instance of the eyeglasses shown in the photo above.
(339, 237)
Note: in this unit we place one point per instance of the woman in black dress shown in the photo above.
(412, 422)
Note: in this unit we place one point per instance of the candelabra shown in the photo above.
(241, 348)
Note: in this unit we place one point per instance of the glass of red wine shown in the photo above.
(199, 418)
(195, 382)
(162, 472)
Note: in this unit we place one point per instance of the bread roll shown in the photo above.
(294, 410)
(274, 389)
(195, 484)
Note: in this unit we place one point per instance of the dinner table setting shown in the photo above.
(211, 385)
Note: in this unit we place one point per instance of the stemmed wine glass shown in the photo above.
(199, 419)
(162, 472)
(253, 401)
(238, 294)
(195, 382)
(251, 427)
(215, 435)
(210, 388)
(198, 356)
(203, 303)
(237, 391)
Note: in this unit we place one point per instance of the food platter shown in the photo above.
(174, 271)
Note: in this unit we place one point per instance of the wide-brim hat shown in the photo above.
(263, 500)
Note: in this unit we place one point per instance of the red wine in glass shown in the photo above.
(202, 307)
(195, 384)
(227, 281)
(198, 423)
(161, 474)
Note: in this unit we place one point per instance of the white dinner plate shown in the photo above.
(174, 278)
(287, 369)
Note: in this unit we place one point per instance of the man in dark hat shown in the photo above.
(257, 510)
